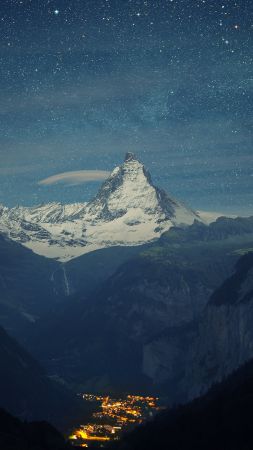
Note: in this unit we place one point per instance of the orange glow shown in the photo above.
(86, 437)
(113, 417)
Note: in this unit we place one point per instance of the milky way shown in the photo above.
(82, 82)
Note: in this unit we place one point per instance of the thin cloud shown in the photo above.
(76, 177)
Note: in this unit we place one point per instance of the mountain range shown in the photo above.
(128, 210)
(131, 292)
(125, 329)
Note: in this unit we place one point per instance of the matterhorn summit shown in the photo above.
(127, 210)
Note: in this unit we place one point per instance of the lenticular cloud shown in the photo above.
(80, 176)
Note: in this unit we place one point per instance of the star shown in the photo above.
(75, 51)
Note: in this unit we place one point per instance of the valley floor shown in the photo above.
(113, 417)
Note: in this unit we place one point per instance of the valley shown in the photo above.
(137, 308)
(126, 225)
(166, 310)
(113, 417)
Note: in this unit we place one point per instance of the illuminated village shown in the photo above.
(114, 416)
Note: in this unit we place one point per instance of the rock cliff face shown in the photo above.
(185, 361)
(165, 360)
(225, 332)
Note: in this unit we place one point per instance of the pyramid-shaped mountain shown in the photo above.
(128, 210)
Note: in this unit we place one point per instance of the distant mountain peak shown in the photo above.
(127, 210)
(129, 156)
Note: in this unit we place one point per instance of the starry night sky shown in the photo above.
(84, 81)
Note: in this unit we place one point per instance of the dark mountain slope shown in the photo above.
(225, 333)
(88, 271)
(187, 360)
(221, 420)
(17, 435)
(27, 392)
(101, 337)
(30, 286)
(223, 228)
(239, 287)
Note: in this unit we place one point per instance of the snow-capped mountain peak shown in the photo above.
(130, 157)
(127, 210)
(128, 187)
